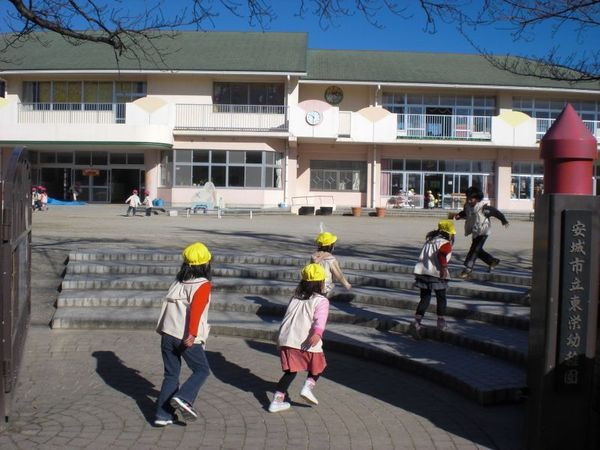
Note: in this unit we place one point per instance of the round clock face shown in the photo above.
(313, 117)
(334, 95)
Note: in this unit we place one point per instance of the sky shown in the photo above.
(396, 33)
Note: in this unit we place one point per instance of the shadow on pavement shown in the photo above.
(481, 425)
(239, 377)
(128, 381)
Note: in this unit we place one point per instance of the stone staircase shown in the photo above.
(481, 354)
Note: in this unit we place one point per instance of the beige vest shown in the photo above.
(428, 263)
(476, 222)
(297, 323)
(174, 316)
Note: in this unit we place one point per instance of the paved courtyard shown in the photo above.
(96, 389)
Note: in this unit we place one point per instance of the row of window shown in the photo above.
(430, 165)
(77, 92)
(225, 168)
(85, 158)
(338, 176)
(550, 109)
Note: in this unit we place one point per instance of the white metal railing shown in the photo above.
(231, 117)
(543, 125)
(433, 126)
(83, 113)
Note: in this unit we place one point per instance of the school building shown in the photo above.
(271, 122)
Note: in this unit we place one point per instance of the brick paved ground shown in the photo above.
(96, 389)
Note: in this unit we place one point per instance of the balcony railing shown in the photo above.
(213, 117)
(543, 125)
(63, 113)
(433, 126)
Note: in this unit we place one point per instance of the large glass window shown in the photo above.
(338, 176)
(82, 92)
(527, 181)
(228, 168)
(248, 93)
(405, 181)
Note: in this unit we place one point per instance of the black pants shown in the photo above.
(286, 380)
(440, 296)
(477, 251)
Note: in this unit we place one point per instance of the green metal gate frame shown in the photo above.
(15, 271)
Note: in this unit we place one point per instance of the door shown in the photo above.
(415, 181)
(123, 181)
(434, 182)
(56, 180)
(94, 184)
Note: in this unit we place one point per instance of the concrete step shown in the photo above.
(136, 262)
(271, 274)
(480, 377)
(500, 341)
(493, 312)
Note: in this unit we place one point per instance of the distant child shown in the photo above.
(323, 256)
(147, 203)
(478, 224)
(431, 272)
(184, 328)
(43, 199)
(35, 198)
(300, 333)
(133, 201)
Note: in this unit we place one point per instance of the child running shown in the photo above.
(133, 201)
(323, 256)
(184, 329)
(299, 342)
(431, 272)
(477, 224)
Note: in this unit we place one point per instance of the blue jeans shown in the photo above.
(172, 350)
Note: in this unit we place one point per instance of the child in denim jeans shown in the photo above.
(184, 329)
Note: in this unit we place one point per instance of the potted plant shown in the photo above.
(380, 211)
(356, 211)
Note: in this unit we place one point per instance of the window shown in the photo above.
(76, 93)
(546, 111)
(527, 181)
(2, 89)
(249, 97)
(166, 168)
(228, 168)
(338, 176)
(399, 103)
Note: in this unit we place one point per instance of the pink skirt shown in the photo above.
(296, 360)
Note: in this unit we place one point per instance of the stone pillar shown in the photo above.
(564, 297)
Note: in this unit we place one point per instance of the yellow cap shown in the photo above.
(313, 272)
(325, 239)
(196, 254)
(447, 226)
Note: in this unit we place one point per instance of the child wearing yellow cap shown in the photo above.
(299, 340)
(323, 256)
(183, 327)
(431, 272)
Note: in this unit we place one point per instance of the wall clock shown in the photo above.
(313, 117)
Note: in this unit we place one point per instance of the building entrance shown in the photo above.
(123, 181)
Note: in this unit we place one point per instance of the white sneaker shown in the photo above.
(162, 422)
(184, 408)
(278, 404)
(307, 393)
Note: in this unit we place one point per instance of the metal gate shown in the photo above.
(15, 270)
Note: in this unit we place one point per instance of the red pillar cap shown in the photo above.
(568, 138)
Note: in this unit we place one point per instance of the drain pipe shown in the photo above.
(373, 172)
(285, 172)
